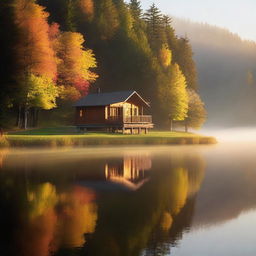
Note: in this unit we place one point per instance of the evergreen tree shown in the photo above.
(155, 29)
(136, 10)
(184, 57)
(107, 19)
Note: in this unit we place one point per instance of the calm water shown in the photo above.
(140, 201)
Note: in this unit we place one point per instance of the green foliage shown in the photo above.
(196, 111)
(135, 7)
(155, 29)
(184, 57)
(134, 50)
(107, 19)
(41, 92)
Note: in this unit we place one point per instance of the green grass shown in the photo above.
(67, 136)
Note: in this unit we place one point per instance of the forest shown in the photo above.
(226, 73)
(55, 52)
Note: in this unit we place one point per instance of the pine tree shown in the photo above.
(184, 57)
(136, 10)
(155, 30)
(107, 18)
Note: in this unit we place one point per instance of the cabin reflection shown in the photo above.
(131, 172)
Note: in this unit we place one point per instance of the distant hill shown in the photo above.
(226, 67)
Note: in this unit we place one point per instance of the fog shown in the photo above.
(223, 61)
(237, 134)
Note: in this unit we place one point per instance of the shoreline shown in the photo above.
(104, 139)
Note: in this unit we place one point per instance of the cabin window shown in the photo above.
(132, 111)
(81, 113)
(113, 111)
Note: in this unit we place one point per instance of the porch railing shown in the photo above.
(131, 119)
(138, 119)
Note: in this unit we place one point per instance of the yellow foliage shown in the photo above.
(166, 221)
(165, 56)
(42, 92)
(41, 199)
(174, 96)
(70, 93)
(179, 189)
(75, 62)
(79, 217)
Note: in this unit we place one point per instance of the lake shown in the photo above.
(129, 201)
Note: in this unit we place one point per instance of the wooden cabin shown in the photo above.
(124, 111)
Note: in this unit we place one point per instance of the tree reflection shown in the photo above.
(130, 221)
(3, 154)
(46, 213)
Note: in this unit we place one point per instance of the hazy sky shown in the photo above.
(239, 16)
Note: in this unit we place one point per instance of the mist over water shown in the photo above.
(180, 200)
(236, 134)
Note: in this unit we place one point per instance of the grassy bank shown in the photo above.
(56, 137)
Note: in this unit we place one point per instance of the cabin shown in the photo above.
(124, 111)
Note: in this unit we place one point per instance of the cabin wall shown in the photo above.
(137, 101)
(90, 115)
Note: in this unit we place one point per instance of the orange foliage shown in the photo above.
(35, 52)
(78, 217)
(75, 62)
(39, 234)
(87, 7)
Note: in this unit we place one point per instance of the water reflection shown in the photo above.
(128, 203)
(125, 201)
(132, 172)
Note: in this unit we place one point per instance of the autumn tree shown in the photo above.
(196, 111)
(35, 56)
(74, 65)
(87, 7)
(165, 56)
(173, 96)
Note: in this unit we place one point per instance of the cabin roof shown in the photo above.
(105, 99)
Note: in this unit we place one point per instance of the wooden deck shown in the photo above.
(135, 124)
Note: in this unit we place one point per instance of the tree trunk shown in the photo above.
(186, 126)
(26, 112)
(171, 125)
(18, 121)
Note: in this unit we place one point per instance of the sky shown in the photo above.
(238, 16)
